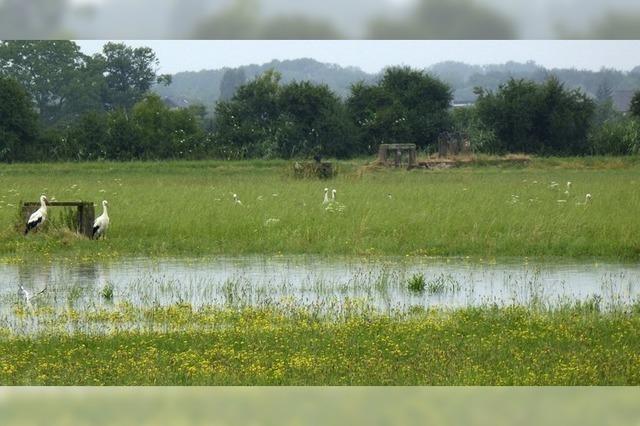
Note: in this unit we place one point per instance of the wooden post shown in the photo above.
(382, 154)
(413, 158)
(85, 215)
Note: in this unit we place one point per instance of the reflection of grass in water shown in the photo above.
(443, 283)
(286, 344)
(385, 290)
(466, 211)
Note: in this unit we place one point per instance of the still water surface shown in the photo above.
(303, 280)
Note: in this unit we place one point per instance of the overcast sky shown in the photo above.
(372, 56)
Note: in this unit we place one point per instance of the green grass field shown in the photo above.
(178, 209)
(187, 209)
(474, 346)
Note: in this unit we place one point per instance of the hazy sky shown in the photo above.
(372, 56)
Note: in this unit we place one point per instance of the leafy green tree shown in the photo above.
(300, 119)
(124, 136)
(18, 121)
(61, 80)
(249, 124)
(88, 138)
(318, 122)
(634, 108)
(129, 74)
(406, 106)
(537, 118)
(163, 133)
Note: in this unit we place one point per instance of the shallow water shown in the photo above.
(318, 281)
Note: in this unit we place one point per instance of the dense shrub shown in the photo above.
(406, 106)
(537, 118)
(267, 119)
(618, 137)
(18, 122)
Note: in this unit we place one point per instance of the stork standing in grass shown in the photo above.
(38, 217)
(334, 205)
(326, 197)
(101, 223)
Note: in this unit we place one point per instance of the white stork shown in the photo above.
(38, 217)
(334, 205)
(27, 296)
(326, 197)
(101, 223)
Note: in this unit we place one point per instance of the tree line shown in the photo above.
(57, 104)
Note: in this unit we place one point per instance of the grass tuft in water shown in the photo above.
(417, 283)
(107, 292)
(442, 284)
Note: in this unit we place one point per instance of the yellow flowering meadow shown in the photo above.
(180, 345)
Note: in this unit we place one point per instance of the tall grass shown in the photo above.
(186, 208)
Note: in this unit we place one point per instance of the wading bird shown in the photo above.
(38, 217)
(587, 200)
(326, 197)
(334, 206)
(568, 188)
(101, 224)
(27, 296)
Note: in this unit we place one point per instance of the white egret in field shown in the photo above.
(326, 197)
(236, 200)
(38, 217)
(101, 224)
(333, 194)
